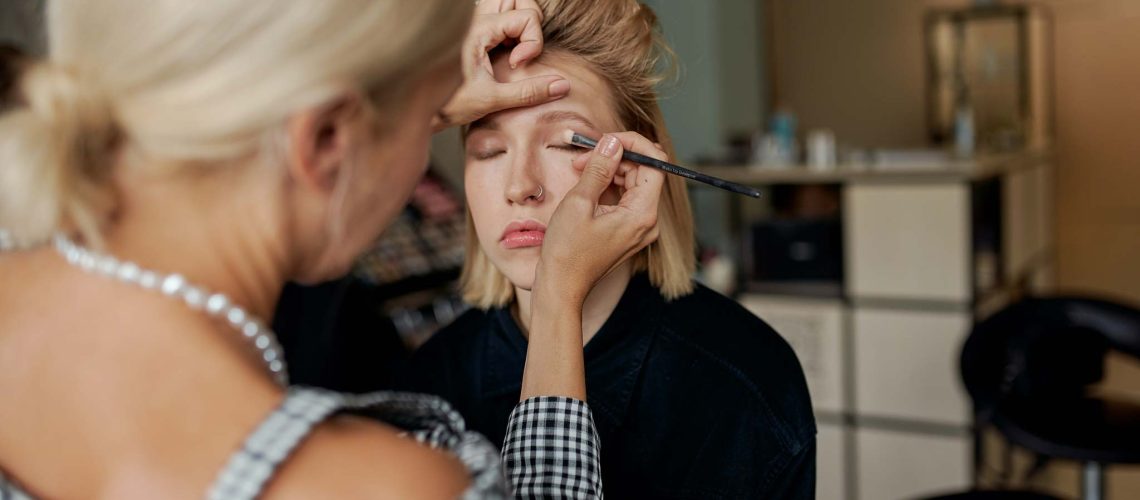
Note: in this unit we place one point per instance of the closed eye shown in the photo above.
(487, 155)
(565, 147)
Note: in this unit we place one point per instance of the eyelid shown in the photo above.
(483, 148)
(486, 155)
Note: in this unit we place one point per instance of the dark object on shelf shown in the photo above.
(796, 250)
(12, 62)
(987, 223)
(1028, 369)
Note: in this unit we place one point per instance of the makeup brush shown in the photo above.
(640, 159)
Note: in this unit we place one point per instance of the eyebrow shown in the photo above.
(547, 118)
(551, 117)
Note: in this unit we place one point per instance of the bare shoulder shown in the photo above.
(352, 457)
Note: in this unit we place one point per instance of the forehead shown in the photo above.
(589, 96)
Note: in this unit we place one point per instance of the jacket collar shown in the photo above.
(614, 357)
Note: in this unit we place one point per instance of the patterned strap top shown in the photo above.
(551, 448)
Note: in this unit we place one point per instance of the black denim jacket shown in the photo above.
(694, 398)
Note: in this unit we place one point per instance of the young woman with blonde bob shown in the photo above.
(694, 397)
(174, 163)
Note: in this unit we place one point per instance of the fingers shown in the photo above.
(644, 193)
(487, 7)
(643, 186)
(522, 25)
(629, 175)
(599, 171)
(529, 39)
(497, 6)
(637, 143)
(530, 92)
(631, 141)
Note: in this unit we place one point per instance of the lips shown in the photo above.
(523, 234)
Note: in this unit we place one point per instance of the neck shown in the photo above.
(201, 230)
(600, 303)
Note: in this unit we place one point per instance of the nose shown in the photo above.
(524, 182)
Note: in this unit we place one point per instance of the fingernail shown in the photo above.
(609, 146)
(559, 88)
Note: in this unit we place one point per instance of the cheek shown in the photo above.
(388, 175)
(403, 169)
(479, 185)
(558, 179)
(476, 186)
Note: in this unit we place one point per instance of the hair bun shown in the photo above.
(73, 106)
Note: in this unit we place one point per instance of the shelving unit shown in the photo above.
(926, 251)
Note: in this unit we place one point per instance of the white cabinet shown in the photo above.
(908, 240)
(881, 354)
(830, 462)
(894, 465)
(814, 329)
(906, 365)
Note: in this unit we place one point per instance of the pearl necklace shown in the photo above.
(216, 305)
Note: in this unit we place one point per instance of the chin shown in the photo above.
(522, 275)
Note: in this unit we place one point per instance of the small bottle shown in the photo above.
(964, 130)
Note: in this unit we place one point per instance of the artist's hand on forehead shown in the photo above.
(500, 22)
(527, 45)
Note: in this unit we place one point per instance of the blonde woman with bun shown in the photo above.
(173, 164)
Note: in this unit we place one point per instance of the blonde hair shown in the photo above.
(193, 84)
(619, 40)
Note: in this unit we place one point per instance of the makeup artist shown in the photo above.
(175, 163)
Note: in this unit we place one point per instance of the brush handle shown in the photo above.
(588, 143)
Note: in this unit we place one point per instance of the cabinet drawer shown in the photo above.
(907, 241)
(906, 364)
(814, 328)
(898, 465)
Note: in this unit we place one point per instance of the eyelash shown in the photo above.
(491, 154)
(488, 155)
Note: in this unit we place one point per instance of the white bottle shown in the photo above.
(964, 134)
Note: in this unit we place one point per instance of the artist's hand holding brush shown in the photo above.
(509, 23)
(586, 239)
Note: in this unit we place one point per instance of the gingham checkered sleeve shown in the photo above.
(552, 449)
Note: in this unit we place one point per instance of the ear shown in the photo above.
(321, 141)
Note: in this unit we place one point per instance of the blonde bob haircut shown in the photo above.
(619, 41)
(194, 85)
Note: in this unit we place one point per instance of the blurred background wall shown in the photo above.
(20, 24)
(857, 67)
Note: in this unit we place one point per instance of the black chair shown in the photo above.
(1028, 369)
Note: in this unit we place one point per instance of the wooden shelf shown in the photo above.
(954, 170)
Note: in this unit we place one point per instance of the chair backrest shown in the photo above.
(1045, 347)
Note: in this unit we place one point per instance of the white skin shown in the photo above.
(124, 393)
(510, 154)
